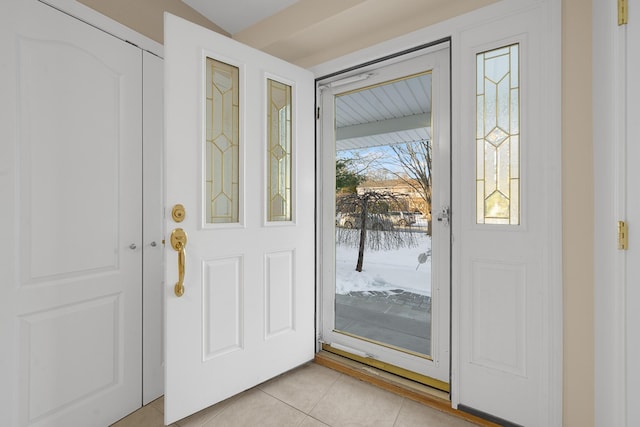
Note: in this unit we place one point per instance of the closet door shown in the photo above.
(70, 182)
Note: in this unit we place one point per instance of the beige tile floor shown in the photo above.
(309, 396)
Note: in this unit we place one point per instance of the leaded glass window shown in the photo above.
(222, 143)
(279, 151)
(498, 136)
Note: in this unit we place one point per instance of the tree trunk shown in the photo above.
(363, 236)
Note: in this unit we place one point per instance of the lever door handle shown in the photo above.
(178, 243)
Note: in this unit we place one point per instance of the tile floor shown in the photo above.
(309, 396)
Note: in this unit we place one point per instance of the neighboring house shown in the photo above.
(402, 187)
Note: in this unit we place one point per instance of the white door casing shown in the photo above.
(247, 313)
(632, 202)
(616, 272)
(436, 59)
(70, 161)
(505, 275)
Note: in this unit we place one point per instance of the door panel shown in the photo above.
(70, 171)
(385, 277)
(247, 310)
(508, 208)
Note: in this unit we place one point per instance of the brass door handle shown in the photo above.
(178, 243)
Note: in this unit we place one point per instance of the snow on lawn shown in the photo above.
(384, 270)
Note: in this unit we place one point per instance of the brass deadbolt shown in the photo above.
(178, 213)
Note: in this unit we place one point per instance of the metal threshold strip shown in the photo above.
(387, 367)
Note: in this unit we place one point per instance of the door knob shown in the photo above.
(132, 246)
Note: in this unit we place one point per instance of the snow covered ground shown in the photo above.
(385, 270)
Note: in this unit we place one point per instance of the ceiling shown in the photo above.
(235, 16)
(310, 32)
(384, 114)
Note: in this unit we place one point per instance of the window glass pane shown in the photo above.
(383, 230)
(497, 136)
(279, 151)
(222, 144)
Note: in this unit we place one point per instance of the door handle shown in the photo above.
(178, 243)
(445, 216)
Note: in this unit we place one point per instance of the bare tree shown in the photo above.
(415, 161)
(371, 227)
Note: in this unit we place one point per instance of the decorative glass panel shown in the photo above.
(279, 151)
(498, 137)
(222, 145)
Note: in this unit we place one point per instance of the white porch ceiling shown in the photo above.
(387, 114)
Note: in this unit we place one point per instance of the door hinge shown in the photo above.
(623, 236)
(623, 12)
(318, 114)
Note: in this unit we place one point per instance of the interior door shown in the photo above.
(70, 182)
(239, 159)
(385, 239)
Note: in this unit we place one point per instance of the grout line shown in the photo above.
(335, 381)
(351, 369)
(404, 399)
(282, 401)
(395, 421)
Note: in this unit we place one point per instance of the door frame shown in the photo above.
(102, 22)
(439, 375)
(453, 28)
(610, 281)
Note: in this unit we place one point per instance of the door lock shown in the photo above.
(178, 213)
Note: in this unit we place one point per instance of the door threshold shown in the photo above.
(387, 367)
(426, 395)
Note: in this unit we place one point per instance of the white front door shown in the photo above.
(70, 185)
(240, 160)
(385, 148)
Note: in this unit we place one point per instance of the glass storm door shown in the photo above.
(386, 235)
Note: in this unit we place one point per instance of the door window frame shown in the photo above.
(453, 28)
(441, 346)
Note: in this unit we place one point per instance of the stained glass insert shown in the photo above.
(279, 151)
(498, 136)
(222, 143)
